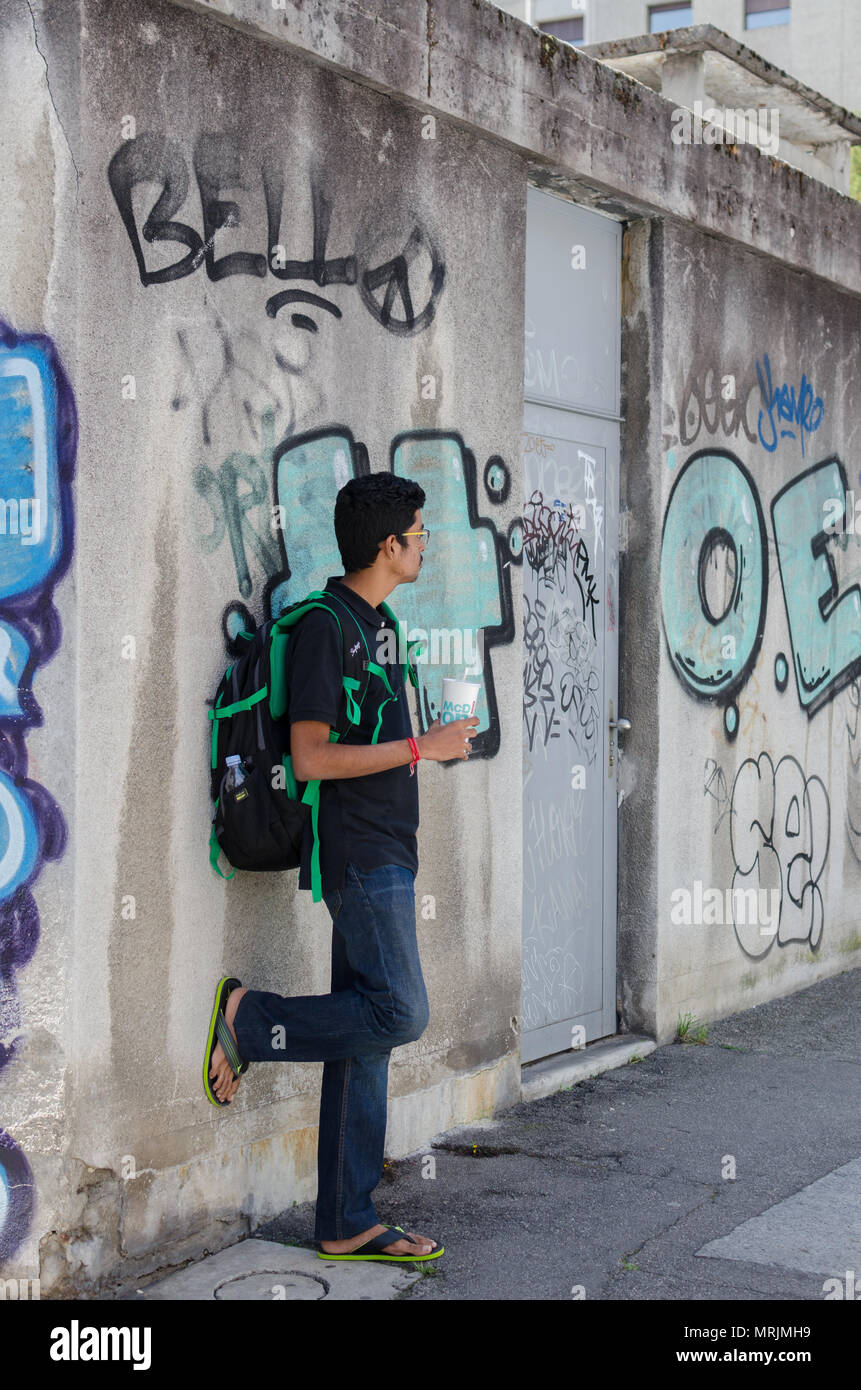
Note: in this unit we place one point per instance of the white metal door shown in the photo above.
(570, 583)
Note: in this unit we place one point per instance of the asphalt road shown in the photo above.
(611, 1190)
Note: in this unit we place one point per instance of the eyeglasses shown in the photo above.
(426, 535)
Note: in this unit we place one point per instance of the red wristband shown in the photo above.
(416, 755)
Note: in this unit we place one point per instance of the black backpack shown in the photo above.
(259, 825)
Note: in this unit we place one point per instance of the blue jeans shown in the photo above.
(378, 1002)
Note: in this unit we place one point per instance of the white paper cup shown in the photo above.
(459, 699)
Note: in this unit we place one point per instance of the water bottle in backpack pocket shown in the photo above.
(234, 777)
(255, 824)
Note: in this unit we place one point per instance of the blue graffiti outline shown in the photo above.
(17, 1179)
(29, 611)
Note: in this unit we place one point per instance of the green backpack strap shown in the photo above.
(354, 710)
(215, 850)
(377, 670)
(351, 683)
(278, 640)
(225, 711)
(277, 659)
(311, 797)
(213, 714)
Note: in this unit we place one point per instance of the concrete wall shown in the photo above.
(754, 700)
(39, 1184)
(183, 389)
(115, 929)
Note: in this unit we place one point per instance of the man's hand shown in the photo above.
(442, 742)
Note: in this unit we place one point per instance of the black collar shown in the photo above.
(360, 606)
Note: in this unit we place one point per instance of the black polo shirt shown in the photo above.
(370, 820)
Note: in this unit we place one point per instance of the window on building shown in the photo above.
(669, 17)
(760, 13)
(571, 30)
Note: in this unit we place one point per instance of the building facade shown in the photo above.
(818, 41)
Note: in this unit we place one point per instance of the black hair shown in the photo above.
(370, 508)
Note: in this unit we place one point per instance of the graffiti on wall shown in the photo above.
(750, 404)
(400, 291)
(17, 1197)
(715, 544)
(238, 501)
(785, 413)
(853, 768)
(714, 582)
(714, 402)
(272, 500)
(714, 574)
(780, 833)
(561, 680)
(38, 439)
(466, 591)
(230, 367)
(715, 553)
(468, 587)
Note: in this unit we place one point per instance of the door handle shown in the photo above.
(623, 725)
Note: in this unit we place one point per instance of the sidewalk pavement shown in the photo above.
(729, 1169)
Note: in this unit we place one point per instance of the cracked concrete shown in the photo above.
(54, 106)
(615, 1186)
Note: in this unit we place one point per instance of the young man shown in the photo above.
(368, 817)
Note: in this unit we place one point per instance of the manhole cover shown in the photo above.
(272, 1285)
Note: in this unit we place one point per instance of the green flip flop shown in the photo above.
(220, 1033)
(372, 1250)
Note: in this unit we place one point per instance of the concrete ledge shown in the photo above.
(698, 38)
(457, 1100)
(545, 1078)
(607, 135)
